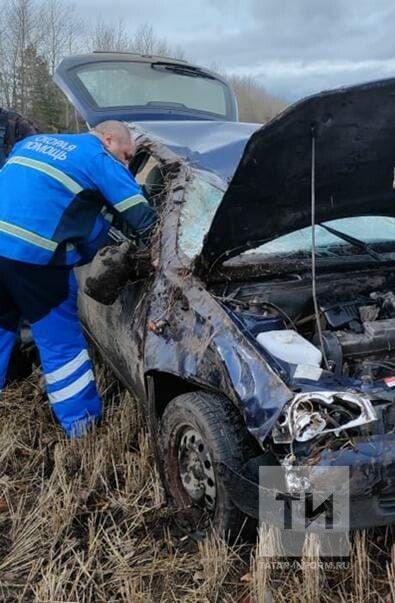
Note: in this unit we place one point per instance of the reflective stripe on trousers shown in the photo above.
(66, 365)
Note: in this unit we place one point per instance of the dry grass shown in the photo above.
(85, 521)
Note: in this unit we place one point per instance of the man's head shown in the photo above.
(117, 138)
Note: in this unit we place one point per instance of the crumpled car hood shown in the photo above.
(269, 194)
(214, 146)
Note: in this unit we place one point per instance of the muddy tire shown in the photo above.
(198, 431)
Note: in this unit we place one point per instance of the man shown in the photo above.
(13, 127)
(52, 190)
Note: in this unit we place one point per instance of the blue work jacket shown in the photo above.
(52, 190)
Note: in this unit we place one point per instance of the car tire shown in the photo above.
(199, 430)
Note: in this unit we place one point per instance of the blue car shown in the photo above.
(261, 330)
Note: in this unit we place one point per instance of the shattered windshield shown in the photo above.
(201, 201)
(373, 230)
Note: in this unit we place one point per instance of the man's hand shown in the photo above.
(108, 273)
(112, 267)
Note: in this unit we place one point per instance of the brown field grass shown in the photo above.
(86, 521)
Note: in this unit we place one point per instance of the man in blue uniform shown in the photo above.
(52, 190)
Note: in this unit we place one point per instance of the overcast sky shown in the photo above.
(292, 47)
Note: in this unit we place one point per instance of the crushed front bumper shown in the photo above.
(371, 463)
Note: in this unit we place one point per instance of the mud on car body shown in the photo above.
(261, 337)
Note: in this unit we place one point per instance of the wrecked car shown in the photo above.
(262, 330)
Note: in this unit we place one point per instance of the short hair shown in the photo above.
(111, 126)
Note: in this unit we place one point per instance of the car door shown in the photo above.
(119, 329)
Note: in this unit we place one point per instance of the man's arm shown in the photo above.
(124, 194)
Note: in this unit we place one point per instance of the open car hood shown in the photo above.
(353, 130)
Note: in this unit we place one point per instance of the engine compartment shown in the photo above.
(344, 388)
(357, 317)
(359, 339)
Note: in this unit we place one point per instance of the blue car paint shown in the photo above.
(215, 146)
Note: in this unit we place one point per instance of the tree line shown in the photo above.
(36, 34)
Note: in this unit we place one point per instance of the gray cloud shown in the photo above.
(294, 47)
(294, 80)
(300, 35)
(339, 28)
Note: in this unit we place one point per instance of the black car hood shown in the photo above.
(270, 192)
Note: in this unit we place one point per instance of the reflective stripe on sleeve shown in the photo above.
(71, 390)
(67, 369)
(130, 202)
(40, 166)
(27, 235)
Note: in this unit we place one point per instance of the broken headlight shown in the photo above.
(313, 414)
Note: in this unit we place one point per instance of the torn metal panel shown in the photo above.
(203, 345)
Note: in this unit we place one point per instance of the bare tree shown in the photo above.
(19, 32)
(255, 104)
(113, 36)
(146, 41)
(61, 29)
(5, 81)
(109, 36)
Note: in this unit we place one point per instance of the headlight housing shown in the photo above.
(312, 414)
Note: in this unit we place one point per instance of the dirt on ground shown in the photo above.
(86, 521)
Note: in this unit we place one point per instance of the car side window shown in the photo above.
(150, 175)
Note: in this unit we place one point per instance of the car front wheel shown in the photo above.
(198, 431)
